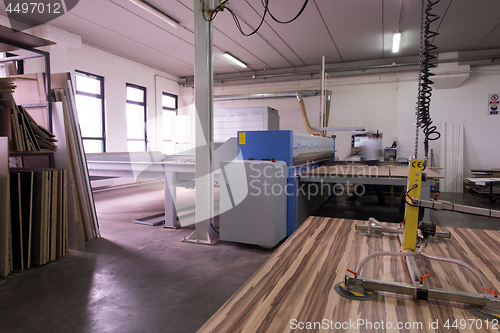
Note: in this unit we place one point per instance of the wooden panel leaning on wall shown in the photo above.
(5, 266)
(82, 218)
(33, 213)
(38, 216)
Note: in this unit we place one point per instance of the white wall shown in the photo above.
(117, 72)
(387, 103)
(355, 102)
(70, 54)
(378, 102)
(466, 105)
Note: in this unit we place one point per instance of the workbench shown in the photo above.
(364, 174)
(481, 182)
(370, 175)
(295, 286)
(176, 171)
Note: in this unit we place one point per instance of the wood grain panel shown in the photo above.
(350, 170)
(297, 282)
(365, 171)
(402, 171)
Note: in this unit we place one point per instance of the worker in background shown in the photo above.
(370, 152)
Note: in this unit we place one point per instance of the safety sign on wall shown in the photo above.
(493, 103)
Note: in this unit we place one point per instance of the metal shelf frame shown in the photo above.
(12, 40)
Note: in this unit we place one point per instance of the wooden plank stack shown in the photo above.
(84, 208)
(38, 216)
(5, 238)
(25, 134)
(30, 92)
(483, 181)
(33, 201)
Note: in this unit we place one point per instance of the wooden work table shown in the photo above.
(297, 282)
(360, 170)
(375, 175)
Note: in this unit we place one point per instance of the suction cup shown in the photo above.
(341, 289)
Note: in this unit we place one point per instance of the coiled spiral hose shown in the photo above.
(425, 89)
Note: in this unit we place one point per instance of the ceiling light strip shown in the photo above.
(233, 59)
(161, 15)
(396, 40)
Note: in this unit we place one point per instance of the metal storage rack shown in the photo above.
(11, 40)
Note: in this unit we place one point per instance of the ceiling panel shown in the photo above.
(134, 50)
(491, 41)
(288, 55)
(342, 30)
(467, 23)
(253, 50)
(276, 51)
(355, 36)
(143, 38)
(307, 36)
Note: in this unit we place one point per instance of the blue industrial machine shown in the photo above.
(300, 153)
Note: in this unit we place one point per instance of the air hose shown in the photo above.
(425, 89)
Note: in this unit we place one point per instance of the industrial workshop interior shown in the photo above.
(249, 166)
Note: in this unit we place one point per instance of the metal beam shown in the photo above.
(434, 293)
(203, 86)
(366, 67)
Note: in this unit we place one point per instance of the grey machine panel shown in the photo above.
(253, 202)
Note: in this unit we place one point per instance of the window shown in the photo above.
(90, 108)
(136, 118)
(169, 103)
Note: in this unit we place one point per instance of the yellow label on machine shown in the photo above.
(242, 138)
(411, 212)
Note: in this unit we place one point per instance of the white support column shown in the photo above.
(203, 86)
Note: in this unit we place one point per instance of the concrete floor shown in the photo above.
(139, 278)
(136, 278)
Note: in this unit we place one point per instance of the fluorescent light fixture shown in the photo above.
(396, 40)
(161, 15)
(233, 59)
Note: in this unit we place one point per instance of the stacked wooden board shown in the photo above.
(23, 137)
(30, 92)
(33, 229)
(33, 201)
(38, 216)
(25, 134)
(86, 222)
(483, 181)
(5, 238)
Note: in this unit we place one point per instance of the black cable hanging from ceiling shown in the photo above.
(425, 89)
(265, 4)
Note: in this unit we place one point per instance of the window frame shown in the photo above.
(99, 96)
(144, 104)
(166, 108)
